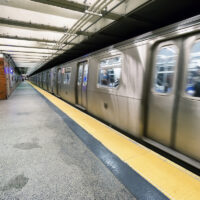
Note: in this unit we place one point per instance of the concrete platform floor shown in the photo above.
(41, 158)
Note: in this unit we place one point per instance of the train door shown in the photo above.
(81, 85)
(52, 80)
(44, 80)
(42, 77)
(47, 82)
(37, 79)
(163, 92)
(188, 124)
(59, 81)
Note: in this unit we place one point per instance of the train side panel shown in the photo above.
(103, 101)
(120, 106)
(135, 59)
(68, 84)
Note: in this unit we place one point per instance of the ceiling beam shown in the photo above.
(27, 56)
(34, 52)
(44, 9)
(26, 61)
(30, 39)
(75, 7)
(30, 47)
(23, 24)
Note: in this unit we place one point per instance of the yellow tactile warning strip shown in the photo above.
(172, 180)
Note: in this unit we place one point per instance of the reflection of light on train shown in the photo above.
(151, 90)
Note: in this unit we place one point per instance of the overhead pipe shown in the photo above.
(74, 29)
(82, 20)
(80, 23)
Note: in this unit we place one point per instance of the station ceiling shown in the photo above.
(39, 34)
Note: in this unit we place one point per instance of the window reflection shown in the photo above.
(109, 72)
(85, 75)
(44, 77)
(165, 66)
(193, 76)
(67, 76)
(80, 72)
(110, 77)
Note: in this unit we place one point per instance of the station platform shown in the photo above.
(51, 150)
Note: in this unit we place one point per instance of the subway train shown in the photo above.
(147, 86)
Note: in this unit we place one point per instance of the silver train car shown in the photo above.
(148, 86)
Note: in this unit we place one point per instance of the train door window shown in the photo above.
(59, 75)
(49, 73)
(54, 75)
(193, 73)
(80, 72)
(67, 76)
(85, 74)
(44, 77)
(165, 66)
(110, 71)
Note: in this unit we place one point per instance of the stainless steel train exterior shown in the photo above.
(146, 86)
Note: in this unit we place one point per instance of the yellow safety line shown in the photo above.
(171, 179)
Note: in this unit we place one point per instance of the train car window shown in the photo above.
(193, 73)
(80, 71)
(165, 67)
(110, 71)
(67, 76)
